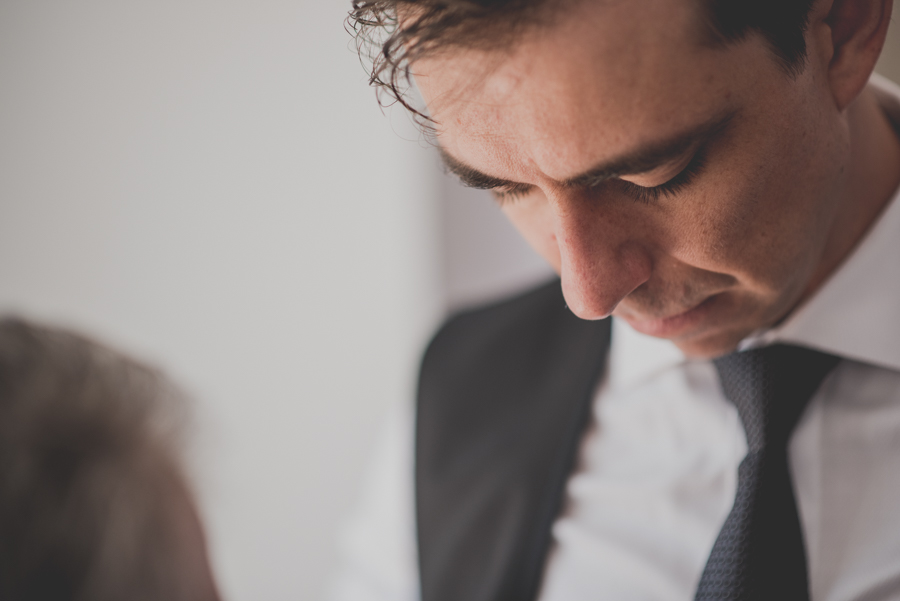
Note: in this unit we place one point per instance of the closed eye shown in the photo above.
(670, 188)
(646, 194)
(505, 194)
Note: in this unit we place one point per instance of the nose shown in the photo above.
(602, 259)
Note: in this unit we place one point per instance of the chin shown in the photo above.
(711, 345)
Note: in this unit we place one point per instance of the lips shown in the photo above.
(677, 325)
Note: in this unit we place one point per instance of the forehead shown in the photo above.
(602, 80)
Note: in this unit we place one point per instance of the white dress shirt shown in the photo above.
(657, 470)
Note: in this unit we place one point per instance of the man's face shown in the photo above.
(687, 189)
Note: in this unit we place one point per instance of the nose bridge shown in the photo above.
(602, 258)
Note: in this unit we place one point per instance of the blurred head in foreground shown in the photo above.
(93, 503)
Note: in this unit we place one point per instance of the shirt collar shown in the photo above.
(856, 313)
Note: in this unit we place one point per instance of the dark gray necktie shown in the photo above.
(759, 553)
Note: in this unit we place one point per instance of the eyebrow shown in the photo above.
(640, 161)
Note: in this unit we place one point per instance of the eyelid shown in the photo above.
(506, 193)
(690, 164)
(673, 167)
(683, 178)
(670, 187)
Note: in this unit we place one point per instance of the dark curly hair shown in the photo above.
(391, 47)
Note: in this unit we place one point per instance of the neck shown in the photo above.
(872, 181)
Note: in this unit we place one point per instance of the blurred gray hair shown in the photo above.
(90, 472)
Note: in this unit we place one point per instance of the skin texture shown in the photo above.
(788, 172)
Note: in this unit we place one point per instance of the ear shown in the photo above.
(857, 31)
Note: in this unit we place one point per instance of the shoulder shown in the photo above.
(527, 311)
(518, 338)
(481, 330)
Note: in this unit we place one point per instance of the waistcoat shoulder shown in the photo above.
(504, 395)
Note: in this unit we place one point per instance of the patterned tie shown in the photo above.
(759, 554)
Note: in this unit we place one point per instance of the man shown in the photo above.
(719, 178)
(93, 504)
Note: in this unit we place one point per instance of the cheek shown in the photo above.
(727, 227)
(760, 217)
(718, 225)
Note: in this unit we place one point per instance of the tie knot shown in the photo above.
(770, 387)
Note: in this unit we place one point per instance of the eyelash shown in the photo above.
(509, 195)
(649, 194)
(645, 194)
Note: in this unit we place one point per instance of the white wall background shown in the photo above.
(483, 256)
(211, 186)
